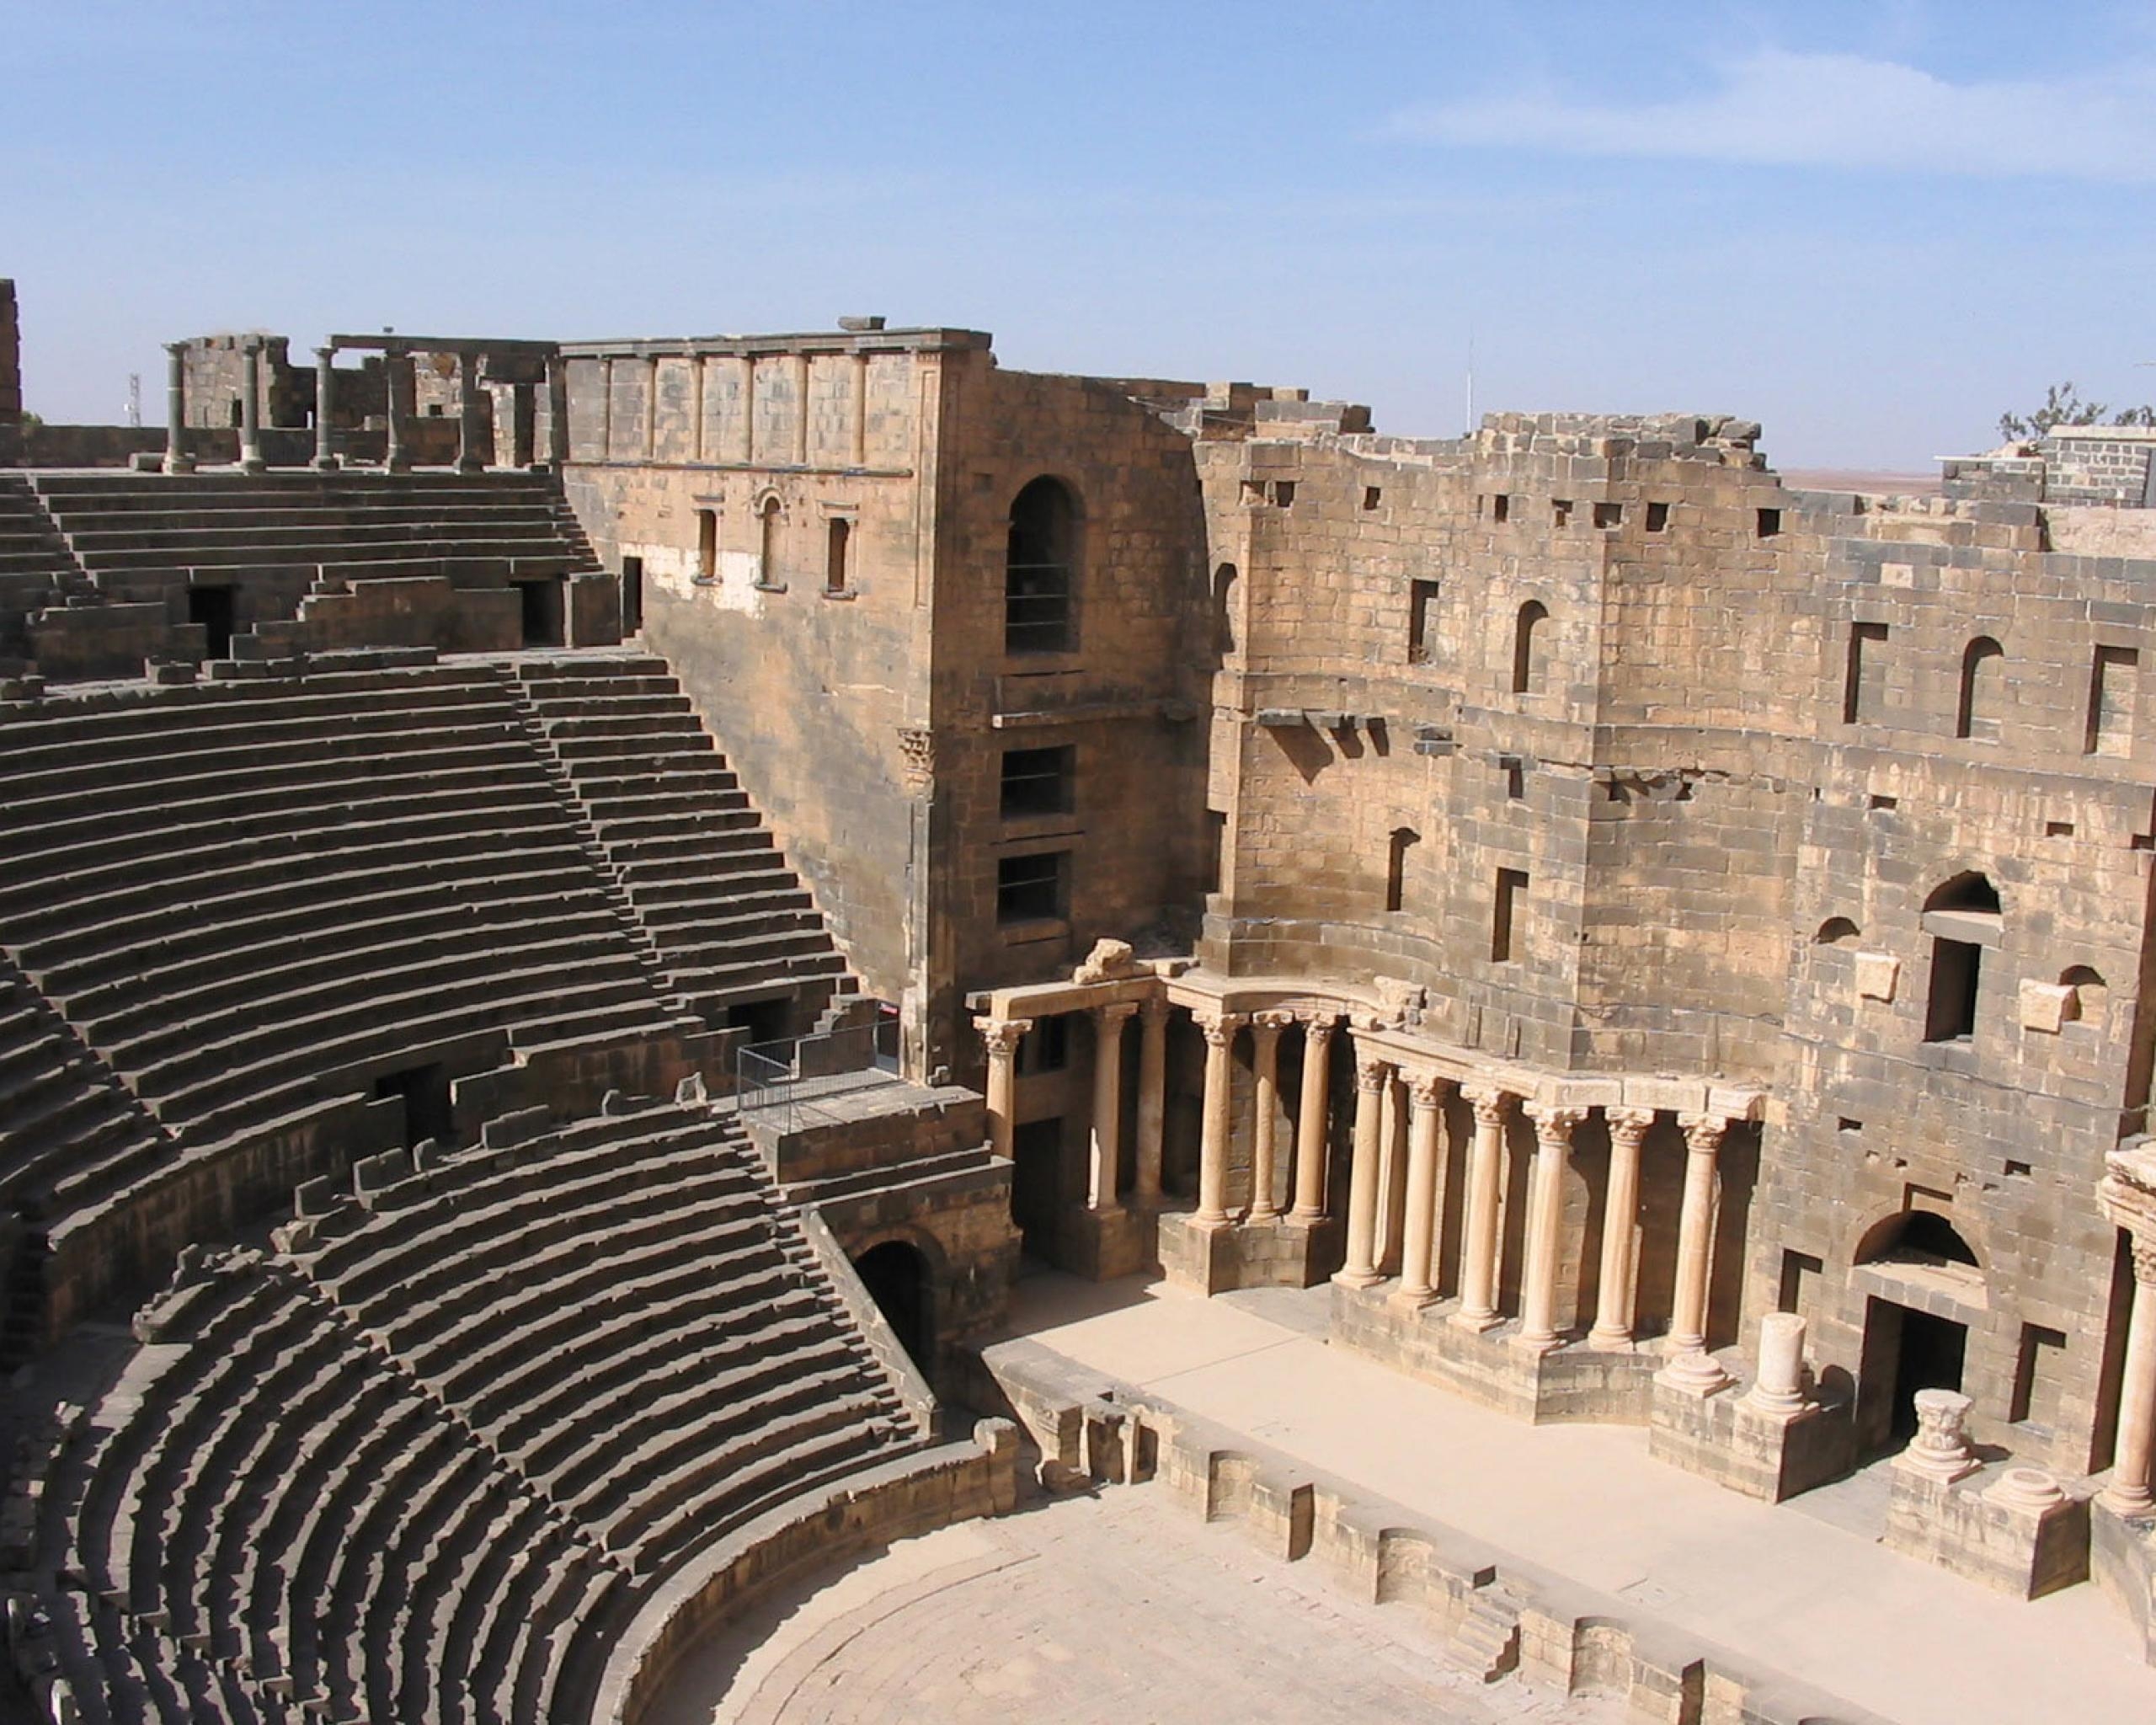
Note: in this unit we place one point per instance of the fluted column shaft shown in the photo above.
(1265, 1028)
(325, 384)
(1546, 1221)
(1106, 1136)
(1426, 1094)
(250, 408)
(1617, 1296)
(1152, 1096)
(1311, 1116)
(1219, 1030)
(1002, 1037)
(1372, 1074)
(2130, 1491)
(1478, 1271)
(177, 459)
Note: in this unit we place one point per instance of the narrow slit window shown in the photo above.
(1982, 676)
(1422, 607)
(1527, 651)
(1860, 672)
(837, 542)
(707, 545)
(767, 524)
(1501, 507)
(2110, 701)
(1403, 840)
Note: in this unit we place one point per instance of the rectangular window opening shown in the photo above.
(1515, 772)
(837, 538)
(1799, 1272)
(1560, 510)
(632, 594)
(1860, 671)
(1046, 1047)
(1371, 494)
(1032, 888)
(1511, 887)
(1038, 782)
(2110, 701)
(1610, 515)
(1770, 523)
(1950, 1015)
(2058, 829)
(1283, 493)
(1501, 507)
(1657, 517)
(1421, 601)
(707, 545)
(1216, 849)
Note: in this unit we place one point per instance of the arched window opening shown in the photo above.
(768, 525)
(1982, 686)
(1404, 838)
(1918, 1237)
(2091, 997)
(1962, 917)
(1837, 931)
(1527, 651)
(1039, 570)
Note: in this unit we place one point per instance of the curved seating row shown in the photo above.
(427, 1462)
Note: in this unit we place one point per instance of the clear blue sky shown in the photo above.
(1870, 226)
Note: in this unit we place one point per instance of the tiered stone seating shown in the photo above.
(731, 920)
(427, 1463)
(250, 898)
(126, 528)
(68, 1128)
(36, 568)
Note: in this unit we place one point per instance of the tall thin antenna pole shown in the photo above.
(1471, 383)
(134, 397)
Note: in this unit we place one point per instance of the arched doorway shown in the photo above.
(897, 1277)
(1909, 1346)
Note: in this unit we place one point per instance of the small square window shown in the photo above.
(1032, 888)
(1283, 493)
(1770, 523)
(1038, 782)
(1657, 517)
(1560, 511)
(1610, 515)
(1371, 494)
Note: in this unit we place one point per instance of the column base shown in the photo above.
(252, 464)
(397, 464)
(2129, 1506)
(180, 464)
(1104, 1244)
(1404, 1299)
(326, 464)
(1537, 1344)
(1766, 1455)
(1695, 1371)
(1357, 1279)
(1611, 1341)
(1475, 1323)
(465, 466)
(2018, 1534)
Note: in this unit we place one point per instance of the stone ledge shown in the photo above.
(1497, 1615)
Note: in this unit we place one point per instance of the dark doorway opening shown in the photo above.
(632, 594)
(212, 608)
(1036, 1184)
(896, 1276)
(765, 1020)
(427, 1111)
(542, 611)
(1905, 1350)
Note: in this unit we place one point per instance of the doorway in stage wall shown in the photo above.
(1037, 1185)
(1905, 1350)
(896, 1276)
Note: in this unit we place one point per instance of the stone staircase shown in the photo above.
(37, 568)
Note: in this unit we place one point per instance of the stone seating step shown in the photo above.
(159, 551)
(191, 517)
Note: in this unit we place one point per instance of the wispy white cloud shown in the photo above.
(1838, 110)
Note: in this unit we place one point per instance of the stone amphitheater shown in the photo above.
(636, 974)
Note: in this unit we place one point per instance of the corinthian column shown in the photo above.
(250, 408)
(1311, 1115)
(1546, 1219)
(325, 438)
(177, 459)
(1002, 1037)
(1373, 1072)
(1478, 1267)
(1690, 1365)
(1219, 1030)
(1618, 1291)
(1265, 1028)
(2129, 1492)
(1426, 1094)
(1106, 1140)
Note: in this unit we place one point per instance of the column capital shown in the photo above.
(1554, 1121)
(1153, 1009)
(324, 355)
(2143, 1251)
(1114, 1014)
(1428, 1090)
(1218, 1027)
(1628, 1125)
(1003, 1035)
(1318, 1018)
(1371, 1071)
(1703, 1132)
(178, 350)
(1270, 1023)
(1492, 1103)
